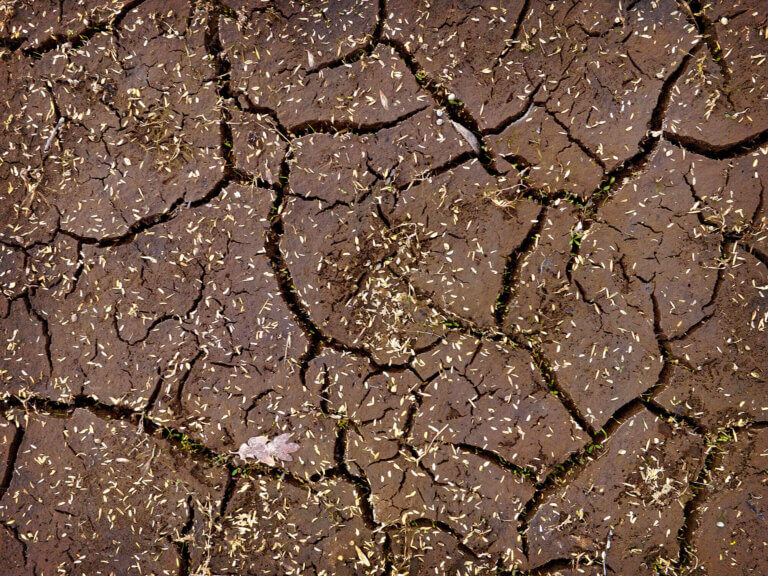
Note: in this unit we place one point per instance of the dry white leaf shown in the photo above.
(384, 101)
(310, 59)
(471, 139)
(282, 447)
(257, 447)
(265, 450)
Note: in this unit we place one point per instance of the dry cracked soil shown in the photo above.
(499, 268)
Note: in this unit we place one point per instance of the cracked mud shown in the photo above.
(500, 269)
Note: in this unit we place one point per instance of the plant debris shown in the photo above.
(266, 451)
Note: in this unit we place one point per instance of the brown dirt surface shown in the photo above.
(728, 525)
(387, 287)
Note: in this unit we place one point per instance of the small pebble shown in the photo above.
(439, 113)
(451, 96)
(439, 122)
(724, 21)
(721, 524)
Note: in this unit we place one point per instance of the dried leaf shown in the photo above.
(384, 101)
(257, 447)
(282, 447)
(468, 136)
(265, 450)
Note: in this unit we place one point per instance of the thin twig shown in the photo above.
(52, 135)
(605, 552)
